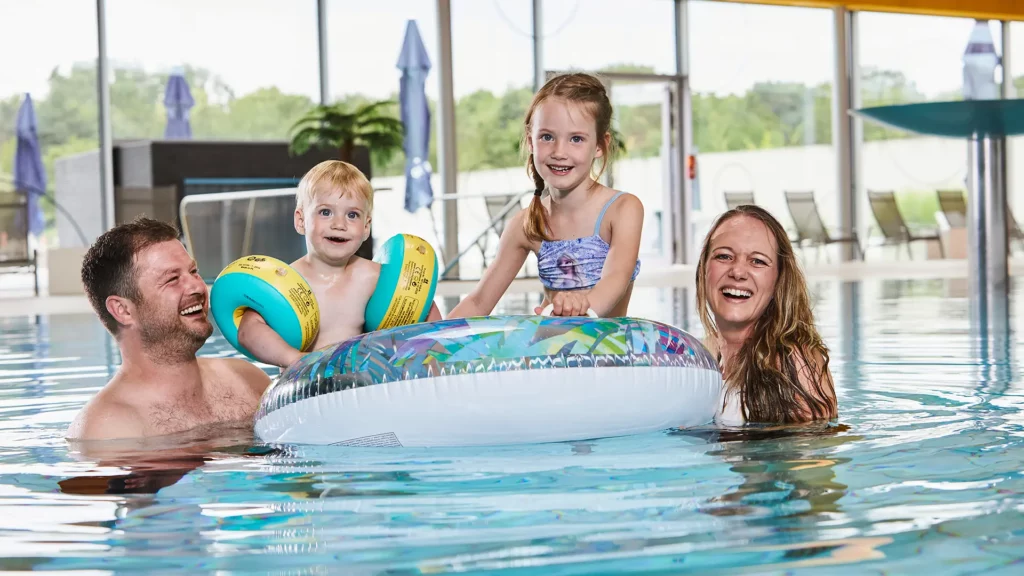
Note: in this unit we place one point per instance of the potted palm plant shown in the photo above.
(347, 129)
(356, 132)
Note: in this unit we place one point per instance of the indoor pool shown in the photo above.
(921, 473)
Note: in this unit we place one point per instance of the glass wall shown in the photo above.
(761, 81)
(905, 59)
(493, 88)
(364, 42)
(49, 53)
(600, 35)
(1015, 146)
(251, 65)
(762, 122)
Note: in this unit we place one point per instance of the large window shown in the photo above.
(905, 59)
(605, 35)
(60, 77)
(761, 82)
(493, 89)
(364, 42)
(251, 65)
(1015, 150)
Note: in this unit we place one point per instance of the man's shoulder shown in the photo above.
(238, 371)
(106, 417)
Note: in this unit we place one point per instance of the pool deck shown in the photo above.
(17, 299)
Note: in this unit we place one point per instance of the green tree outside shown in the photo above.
(488, 125)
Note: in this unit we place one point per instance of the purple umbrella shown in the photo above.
(415, 65)
(178, 101)
(29, 174)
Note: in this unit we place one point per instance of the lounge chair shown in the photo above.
(734, 199)
(894, 228)
(500, 209)
(811, 230)
(954, 207)
(16, 255)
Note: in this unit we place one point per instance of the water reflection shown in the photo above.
(921, 467)
(145, 466)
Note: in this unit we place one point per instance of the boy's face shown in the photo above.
(335, 225)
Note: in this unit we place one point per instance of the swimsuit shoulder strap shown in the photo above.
(600, 217)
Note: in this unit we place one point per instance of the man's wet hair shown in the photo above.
(109, 265)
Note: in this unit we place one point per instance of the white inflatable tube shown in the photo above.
(492, 381)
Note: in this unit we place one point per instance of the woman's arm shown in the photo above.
(626, 225)
(513, 248)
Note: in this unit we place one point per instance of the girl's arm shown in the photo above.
(513, 248)
(627, 223)
(434, 315)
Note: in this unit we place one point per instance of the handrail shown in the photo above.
(513, 203)
(252, 195)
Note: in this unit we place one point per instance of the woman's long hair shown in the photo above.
(764, 370)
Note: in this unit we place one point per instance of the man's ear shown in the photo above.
(300, 221)
(121, 309)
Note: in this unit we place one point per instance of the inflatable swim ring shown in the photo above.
(494, 380)
(404, 293)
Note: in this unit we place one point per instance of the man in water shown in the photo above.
(145, 288)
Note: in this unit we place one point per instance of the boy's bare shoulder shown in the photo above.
(365, 269)
(301, 267)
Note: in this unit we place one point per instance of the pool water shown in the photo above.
(921, 473)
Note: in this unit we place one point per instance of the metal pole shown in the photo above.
(850, 322)
(106, 138)
(682, 208)
(538, 45)
(446, 121)
(987, 239)
(843, 125)
(1008, 91)
(321, 26)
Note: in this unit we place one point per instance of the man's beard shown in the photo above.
(168, 339)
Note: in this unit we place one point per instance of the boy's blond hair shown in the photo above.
(334, 177)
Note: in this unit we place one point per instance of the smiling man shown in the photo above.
(147, 292)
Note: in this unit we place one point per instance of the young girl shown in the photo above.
(586, 235)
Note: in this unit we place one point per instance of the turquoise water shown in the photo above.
(920, 474)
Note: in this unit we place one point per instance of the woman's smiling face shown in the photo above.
(742, 270)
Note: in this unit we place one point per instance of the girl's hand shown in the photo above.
(569, 304)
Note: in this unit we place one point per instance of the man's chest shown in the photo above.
(221, 405)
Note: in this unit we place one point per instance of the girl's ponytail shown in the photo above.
(536, 223)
